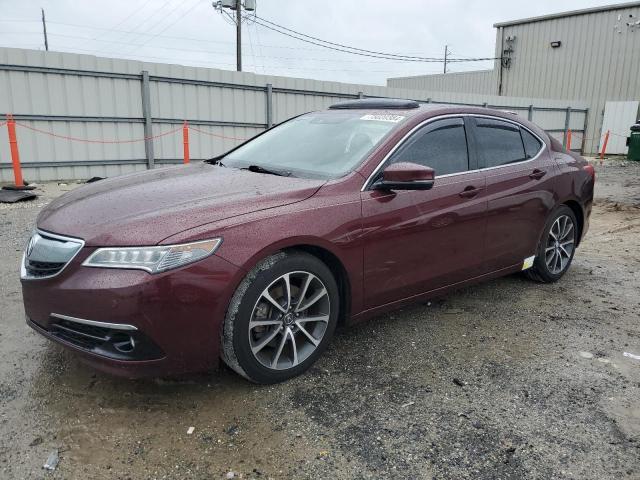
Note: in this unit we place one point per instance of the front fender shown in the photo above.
(332, 224)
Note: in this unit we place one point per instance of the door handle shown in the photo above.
(537, 174)
(470, 192)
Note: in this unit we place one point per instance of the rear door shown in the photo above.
(417, 241)
(521, 177)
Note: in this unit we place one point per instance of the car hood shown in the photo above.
(145, 208)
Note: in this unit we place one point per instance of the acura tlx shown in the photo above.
(331, 217)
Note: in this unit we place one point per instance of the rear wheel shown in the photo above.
(556, 248)
(281, 318)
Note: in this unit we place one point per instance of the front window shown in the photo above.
(316, 145)
(441, 145)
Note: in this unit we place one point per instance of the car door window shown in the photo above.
(531, 144)
(499, 143)
(441, 145)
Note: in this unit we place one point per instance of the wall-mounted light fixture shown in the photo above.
(556, 44)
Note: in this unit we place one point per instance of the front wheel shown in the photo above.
(281, 318)
(556, 248)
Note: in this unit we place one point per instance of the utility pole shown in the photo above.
(223, 7)
(446, 54)
(44, 30)
(239, 34)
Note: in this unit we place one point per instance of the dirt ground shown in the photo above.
(509, 379)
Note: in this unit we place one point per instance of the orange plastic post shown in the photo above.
(185, 139)
(569, 139)
(604, 146)
(15, 154)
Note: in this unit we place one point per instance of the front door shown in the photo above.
(417, 241)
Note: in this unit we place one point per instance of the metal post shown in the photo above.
(584, 131)
(567, 123)
(269, 105)
(530, 115)
(148, 125)
(239, 34)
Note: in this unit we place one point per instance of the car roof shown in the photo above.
(414, 111)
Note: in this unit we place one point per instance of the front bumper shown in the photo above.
(175, 317)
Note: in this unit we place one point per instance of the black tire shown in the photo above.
(236, 342)
(540, 272)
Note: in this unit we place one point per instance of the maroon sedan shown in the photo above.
(333, 216)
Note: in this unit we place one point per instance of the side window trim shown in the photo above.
(473, 130)
(472, 146)
(470, 134)
(524, 146)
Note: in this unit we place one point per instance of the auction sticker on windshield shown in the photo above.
(383, 117)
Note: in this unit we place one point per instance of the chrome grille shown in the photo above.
(47, 254)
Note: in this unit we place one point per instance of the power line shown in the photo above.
(124, 20)
(199, 61)
(159, 22)
(192, 39)
(196, 62)
(373, 55)
(169, 25)
(334, 48)
(274, 26)
(213, 52)
(339, 44)
(136, 33)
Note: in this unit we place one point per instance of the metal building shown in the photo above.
(591, 54)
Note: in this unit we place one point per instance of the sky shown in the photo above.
(192, 32)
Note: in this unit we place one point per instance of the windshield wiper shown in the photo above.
(216, 161)
(259, 169)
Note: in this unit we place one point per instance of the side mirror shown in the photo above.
(406, 176)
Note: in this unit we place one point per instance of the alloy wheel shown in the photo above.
(560, 244)
(289, 320)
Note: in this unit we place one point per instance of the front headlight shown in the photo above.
(152, 259)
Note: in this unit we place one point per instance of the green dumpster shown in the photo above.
(633, 141)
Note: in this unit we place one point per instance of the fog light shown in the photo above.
(123, 342)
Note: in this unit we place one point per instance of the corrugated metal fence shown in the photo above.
(79, 116)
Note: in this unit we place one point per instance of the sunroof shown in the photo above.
(376, 103)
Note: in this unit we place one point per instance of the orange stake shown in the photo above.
(604, 146)
(569, 139)
(185, 138)
(15, 154)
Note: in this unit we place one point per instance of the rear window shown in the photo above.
(531, 144)
(499, 143)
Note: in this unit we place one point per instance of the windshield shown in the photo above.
(316, 145)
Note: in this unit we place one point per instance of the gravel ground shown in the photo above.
(508, 379)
